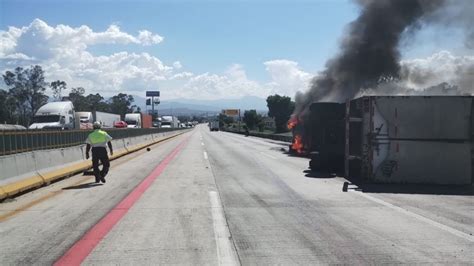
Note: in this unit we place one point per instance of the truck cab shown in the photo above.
(133, 120)
(54, 115)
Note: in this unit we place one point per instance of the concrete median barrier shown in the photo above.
(29, 170)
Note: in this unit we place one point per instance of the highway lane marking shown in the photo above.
(82, 248)
(202, 143)
(226, 254)
(83, 180)
(205, 155)
(419, 217)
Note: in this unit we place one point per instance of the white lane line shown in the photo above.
(226, 254)
(268, 155)
(419, 217)
(202, 143)
(205, 155)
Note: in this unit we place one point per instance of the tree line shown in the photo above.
(25, 94)
(280, 109)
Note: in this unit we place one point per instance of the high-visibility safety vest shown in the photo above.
(98, 138)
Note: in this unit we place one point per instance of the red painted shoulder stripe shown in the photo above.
(82, 248)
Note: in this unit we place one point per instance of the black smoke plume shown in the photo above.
(369, 51)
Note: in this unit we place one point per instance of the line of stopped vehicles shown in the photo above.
(62, 115)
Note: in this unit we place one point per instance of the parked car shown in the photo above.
(120, 124)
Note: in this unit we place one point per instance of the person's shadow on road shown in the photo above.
(83, 186)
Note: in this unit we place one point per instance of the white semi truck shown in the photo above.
(54, 115)
(133, 120)
(84, 120)
(214, 125)
(168, 121)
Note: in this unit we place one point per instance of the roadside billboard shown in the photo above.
(231, 112)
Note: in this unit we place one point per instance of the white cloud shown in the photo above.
(233, 84)
(182, 76)
(287, 77)
(63, 53)
(177, 65)
(440, 67)
(42, 41)
(147, 38)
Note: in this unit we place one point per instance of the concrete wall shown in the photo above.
(43, 165)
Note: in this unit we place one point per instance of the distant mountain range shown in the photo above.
(203, 107)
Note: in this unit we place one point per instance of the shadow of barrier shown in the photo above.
(263, 135)
(26, 171)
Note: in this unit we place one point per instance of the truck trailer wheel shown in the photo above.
(315, 164)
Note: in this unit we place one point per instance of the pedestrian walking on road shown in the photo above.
(99, 140)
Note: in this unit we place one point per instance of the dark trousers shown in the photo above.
(100, 154)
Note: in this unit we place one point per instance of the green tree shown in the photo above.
(121, 104)
(76, 96)
(224, 120)
(252, 119)
(26, 87)
(96, 102)
(57, 87)
(280, 108)
(6, 116)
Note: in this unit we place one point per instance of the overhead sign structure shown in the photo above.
(231, 112)
(152, 93)
(153, 100)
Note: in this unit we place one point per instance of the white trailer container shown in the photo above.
(168, 121)
(107, 120)
(54, 115)
(85, 120)
(410, 139)
(133, 120)
(214, 125)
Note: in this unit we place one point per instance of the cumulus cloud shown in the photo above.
(147, 38)
(182, 76)
(177, 65)
(62, 52)
(234, 83)
(287, 77)
(438, 68)
(42, 41)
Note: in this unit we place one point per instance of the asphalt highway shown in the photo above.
(217, 198)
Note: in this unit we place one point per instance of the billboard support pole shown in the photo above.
(239, 120)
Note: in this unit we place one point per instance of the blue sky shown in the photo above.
(241, 39)
(209, 35)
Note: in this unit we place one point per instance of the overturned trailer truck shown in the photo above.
(394, 139)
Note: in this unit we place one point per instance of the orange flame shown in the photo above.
(297, 144)
(292, 122)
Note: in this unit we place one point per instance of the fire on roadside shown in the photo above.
(292, 122)
(297, 144)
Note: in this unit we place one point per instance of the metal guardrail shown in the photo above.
(18, 141)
